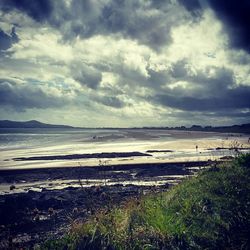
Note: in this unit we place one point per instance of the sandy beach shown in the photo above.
(180, 144)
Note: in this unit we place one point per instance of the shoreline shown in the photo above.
(121, 172)
(122, 152)
(41, 198)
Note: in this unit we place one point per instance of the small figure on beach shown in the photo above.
(196, 147)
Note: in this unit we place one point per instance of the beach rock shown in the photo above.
(160, 151)
(228, 157)
(82, 156)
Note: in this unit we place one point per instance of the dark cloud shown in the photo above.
(237, 98)
(6, 40)
(110, 101)
(209, 81)
(14, 37)
(212, 89)
(21, 97)
(232, 114)
(148, 22)
(212, 82)
(86, 75)
(191, 5)
(179, 69)
(157, 78)
(236, 19)
(39, 10)
(136, 20)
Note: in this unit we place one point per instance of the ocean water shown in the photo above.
(34, 137)
(27, 138)
(28, 142)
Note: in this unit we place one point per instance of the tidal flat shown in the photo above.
(50, 179)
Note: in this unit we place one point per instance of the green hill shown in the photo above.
(29, 124)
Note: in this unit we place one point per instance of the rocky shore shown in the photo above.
(43, 203)
(82, 156)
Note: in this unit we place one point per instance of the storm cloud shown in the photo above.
(125, 62)
(21, 96)
(236, 19)
(86, 75)
(6, 40)
(231, 99)
(214, 89)
(148, 22)
(39, 10)
(191, 5)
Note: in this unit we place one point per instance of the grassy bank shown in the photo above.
(210, 211)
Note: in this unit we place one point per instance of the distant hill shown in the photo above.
(29, 124)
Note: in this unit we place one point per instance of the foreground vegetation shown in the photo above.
(210, 211)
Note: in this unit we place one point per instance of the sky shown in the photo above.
(125, 63)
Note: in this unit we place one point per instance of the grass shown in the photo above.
(210, 211)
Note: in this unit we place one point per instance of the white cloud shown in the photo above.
(41, 47)
(203, 43)
(115, 74)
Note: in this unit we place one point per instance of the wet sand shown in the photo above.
(151, 152)
(181, 145)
